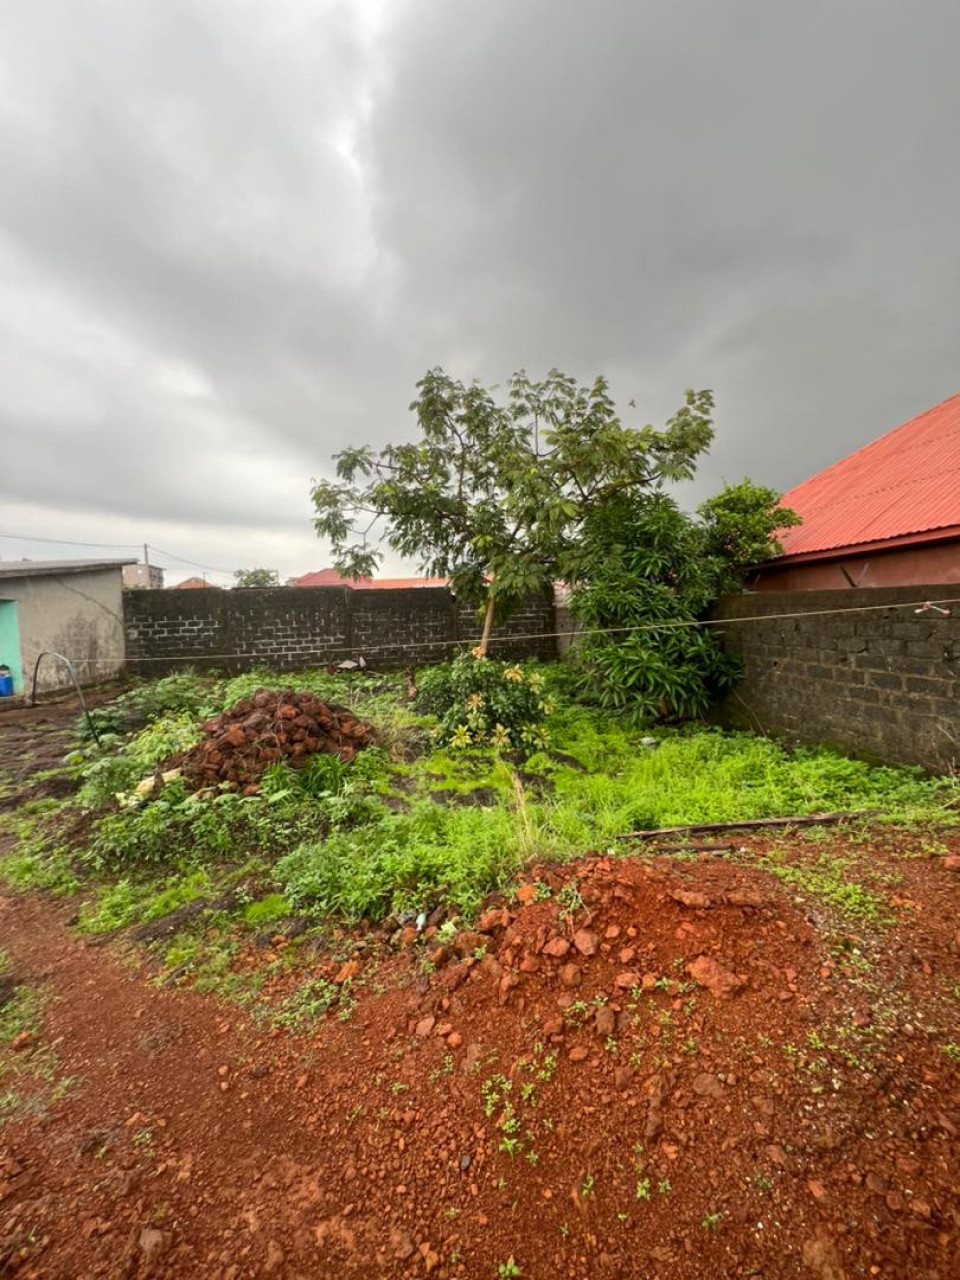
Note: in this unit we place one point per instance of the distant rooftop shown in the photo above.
(331, 578)
(195, 584)
(38, 568)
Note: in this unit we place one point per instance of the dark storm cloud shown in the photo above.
(760, 198)
(232, 235)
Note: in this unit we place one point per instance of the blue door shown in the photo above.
(10, 642)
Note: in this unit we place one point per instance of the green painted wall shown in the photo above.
(10, 642)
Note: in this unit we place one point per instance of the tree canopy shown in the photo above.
(256, 578)
(495, 493)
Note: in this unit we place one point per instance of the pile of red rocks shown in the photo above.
(239, 745)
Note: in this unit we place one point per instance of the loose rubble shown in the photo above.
(239, 745)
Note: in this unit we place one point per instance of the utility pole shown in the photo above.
(146, 562)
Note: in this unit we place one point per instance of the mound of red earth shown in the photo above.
(640, 1069)
(239, 745)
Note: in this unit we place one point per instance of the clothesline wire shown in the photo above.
(919, 606)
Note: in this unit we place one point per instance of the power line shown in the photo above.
(195, 563)
(117, 546)
(69, 542)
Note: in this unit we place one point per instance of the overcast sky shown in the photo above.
(233, 235)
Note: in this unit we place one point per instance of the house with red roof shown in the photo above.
(331, 578)
(195, 584)
(886, 516)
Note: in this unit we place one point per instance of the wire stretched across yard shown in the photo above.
(919, 606)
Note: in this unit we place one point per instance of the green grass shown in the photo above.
(50, 870)
(207, 956)
(326, 844)
(702, 775)
(129, 902)
(266, 911)
(39, 858)
(20, 1013)
(403, 859)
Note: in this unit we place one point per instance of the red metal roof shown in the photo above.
(330, 578)
(901, 487)
(325, 578)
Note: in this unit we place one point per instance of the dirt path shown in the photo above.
(179, 1140)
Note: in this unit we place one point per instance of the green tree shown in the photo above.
(646, 575)
(256, 578)
(739, 529)
(494, 494)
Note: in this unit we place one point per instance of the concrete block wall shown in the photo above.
(859, 670)
(292, 627)
(528, 633)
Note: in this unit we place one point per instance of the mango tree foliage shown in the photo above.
(646, 576)
(495, 492)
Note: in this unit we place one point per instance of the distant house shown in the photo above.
(331, 578)
(886, 516)
(146, 576)
(70, 607)
(195, 584)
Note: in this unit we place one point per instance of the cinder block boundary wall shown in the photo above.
(291, 627)
(883, 685)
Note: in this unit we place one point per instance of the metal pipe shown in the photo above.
(50, 653)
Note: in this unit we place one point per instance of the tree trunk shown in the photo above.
(487, 622)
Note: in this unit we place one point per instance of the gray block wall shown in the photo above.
(859, 670)
(291, 627)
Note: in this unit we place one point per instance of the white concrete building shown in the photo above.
(70, 607)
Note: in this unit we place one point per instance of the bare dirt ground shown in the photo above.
(664, 1068)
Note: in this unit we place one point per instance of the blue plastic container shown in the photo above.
(6, 683)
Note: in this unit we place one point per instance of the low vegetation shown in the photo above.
(448, 809)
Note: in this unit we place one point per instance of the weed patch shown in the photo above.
(28, 1079)
(311, 1001)
(828, 880)
(403, 859)
(327, 843)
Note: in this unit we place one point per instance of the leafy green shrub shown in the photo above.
(105, 779)
(480, 701)
(325, 781)
(180, 829)
(182, 693)
(166, 736)
(109, 722)
(115, 769)
(646, 575)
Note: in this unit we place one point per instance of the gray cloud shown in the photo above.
(233, 235)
